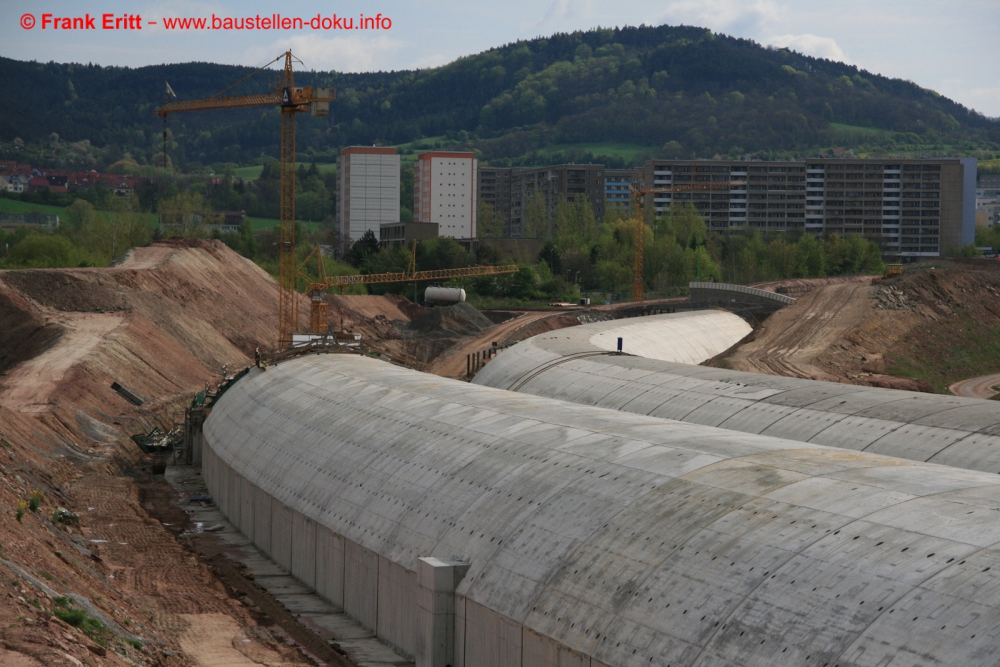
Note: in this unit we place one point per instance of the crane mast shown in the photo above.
(637, 197)
(291, 100)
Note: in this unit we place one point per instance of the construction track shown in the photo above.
(789, 342)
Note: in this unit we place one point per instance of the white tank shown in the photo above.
(444, 294)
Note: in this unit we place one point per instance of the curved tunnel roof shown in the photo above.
(565, 364)
(633, 540)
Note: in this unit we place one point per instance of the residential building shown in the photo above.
(989, 181)
(405, 233)
(913, 208)
(573, 182)
(494, 189)
(367, 191)
(13, 183)
(618, 184)
(988, 216)
(444, 192)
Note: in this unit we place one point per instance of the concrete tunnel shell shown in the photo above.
(571, 365)
(606, 538)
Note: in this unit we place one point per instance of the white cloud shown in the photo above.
(563, 11)
(732, 16)
(350, 53)
(811, 45)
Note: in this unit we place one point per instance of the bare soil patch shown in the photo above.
(924, 330)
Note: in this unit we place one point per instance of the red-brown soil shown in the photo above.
(924, 330)
(162, 323)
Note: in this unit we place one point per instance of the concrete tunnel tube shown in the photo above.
(586, 536)
(661, 379)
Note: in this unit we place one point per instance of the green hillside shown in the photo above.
(620, 93)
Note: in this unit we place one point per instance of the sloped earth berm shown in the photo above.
(935, 325)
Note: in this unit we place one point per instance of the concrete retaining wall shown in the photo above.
(736, 297)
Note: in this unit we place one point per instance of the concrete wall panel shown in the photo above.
(361, 584)
(330, 565)
(304, 549)
(460, 640)
(262, 516)
(490, 639)
(248, 522)
(541, 651)
(281, 534)
(235, 501)
(397, 620)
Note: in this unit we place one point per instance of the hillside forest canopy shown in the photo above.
(664, 91)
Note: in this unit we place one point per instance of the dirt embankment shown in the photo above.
(924, 330)
(162, 323)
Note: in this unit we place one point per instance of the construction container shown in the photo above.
(444, 295)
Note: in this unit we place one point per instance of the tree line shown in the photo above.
(677, 89)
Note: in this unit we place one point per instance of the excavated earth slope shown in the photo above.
(932, 326)
(162, 323)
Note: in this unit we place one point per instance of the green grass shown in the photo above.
(611, 149)
(78, 618)
(253, 173)
(15, 206)
(857, 129)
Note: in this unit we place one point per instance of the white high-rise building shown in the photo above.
(367, 191)
(444, 191)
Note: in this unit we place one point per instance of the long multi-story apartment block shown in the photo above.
(572, 182)
(915, 207)
(444, 192)
(618, 184)
(494, 189)
(367, 191)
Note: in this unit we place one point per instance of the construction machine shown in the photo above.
(892, 270)
(291, 99)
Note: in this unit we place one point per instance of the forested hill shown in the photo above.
(682, 91)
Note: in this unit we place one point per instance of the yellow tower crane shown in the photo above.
(638, 201)
(318, 317)
(291, 100)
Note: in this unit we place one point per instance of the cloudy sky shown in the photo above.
(951, 46)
